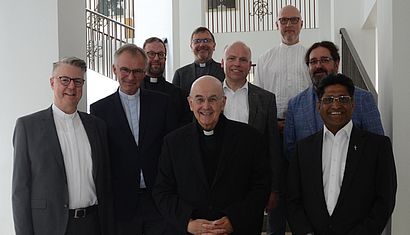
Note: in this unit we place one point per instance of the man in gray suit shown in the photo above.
(255, 106)
(203, 46)
(61, 181)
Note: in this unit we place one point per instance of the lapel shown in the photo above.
(354, 154)
(311, 111)
(253, 100)
(229, 141)
(194, 153)
(121, 118)
(92, 135)
(145, 110)
(50, 134)
(191, 73)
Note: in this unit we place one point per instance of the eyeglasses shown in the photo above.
(126, 71)
(201, 40)
(322, 60)
(211, 100)
(343, 99)
(65, 81)
(151, 54)
(285, 20)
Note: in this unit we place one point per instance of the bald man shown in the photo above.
(214, 173)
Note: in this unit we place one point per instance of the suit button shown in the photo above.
(65, 205)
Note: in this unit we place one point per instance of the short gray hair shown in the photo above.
(74, 61)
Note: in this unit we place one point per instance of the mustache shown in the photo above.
(320, 70)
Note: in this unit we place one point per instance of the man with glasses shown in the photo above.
(303, 119)
(154, 79)
(137, 121)
(61, 176)
(281, 70)
(213, 175)
(203, 46)
(342, 179)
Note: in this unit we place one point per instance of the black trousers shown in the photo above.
(84, 225)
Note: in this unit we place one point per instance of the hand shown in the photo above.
(196, 226)
(281, 126)
(221, 226)
(273, 201)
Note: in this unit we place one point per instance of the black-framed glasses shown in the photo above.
(322, 60)
(65, 81)
(343, 99)
(201, 40)
(126, 71)
(211, 99)
(285, 20)
(152, 54)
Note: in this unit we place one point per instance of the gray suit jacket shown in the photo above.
(39, 186)
(185, 76)
(262, 116)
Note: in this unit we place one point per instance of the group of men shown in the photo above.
(209, 153)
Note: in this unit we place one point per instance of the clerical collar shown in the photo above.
(203, 65)
(213, 132)
(208, 133)
(153, 80)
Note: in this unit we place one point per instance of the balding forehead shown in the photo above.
(207, 83)
(289, 11)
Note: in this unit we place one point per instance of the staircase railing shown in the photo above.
(109, 26)
(352, 65)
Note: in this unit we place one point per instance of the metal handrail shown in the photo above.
(352, 65)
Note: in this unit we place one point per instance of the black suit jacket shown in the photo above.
(185, 76)
(241, 184)
(262, 116)
(178, 98)
(367, 194)
(128, 158)
(39, 187)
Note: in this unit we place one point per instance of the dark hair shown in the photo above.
(334, 79)
(200, 30)
(334, 51)
(154, 39)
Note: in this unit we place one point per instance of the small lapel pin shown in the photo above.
(355, 147)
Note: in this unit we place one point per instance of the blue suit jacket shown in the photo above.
(303, 119)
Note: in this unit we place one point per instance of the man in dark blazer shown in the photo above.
(154, 79)
(203, 46)
(213, 173)
(61, 180)
(342, 180)
(250, 104)
(137, 120)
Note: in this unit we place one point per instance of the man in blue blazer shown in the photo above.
(303, 119)
(203, 46)
(137, 120)
(341, 180)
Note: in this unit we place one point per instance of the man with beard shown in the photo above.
(281, 70)
(154, 79)
(203, 46)
(303, 118)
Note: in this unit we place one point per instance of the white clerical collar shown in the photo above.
(286, 45)
(129, 97)
(202, 65)
(61, 114)
(208, 133)
(153, 80)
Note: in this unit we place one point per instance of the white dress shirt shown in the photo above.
(237, 105)
(76, 150)
(282, 71)
(132, 107)
(334, 154)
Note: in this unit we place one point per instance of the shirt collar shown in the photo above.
(129, 97)
(61, 114)
(285, 45)
(347, 129)
(225, 86)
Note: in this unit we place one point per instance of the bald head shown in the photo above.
(207, 101)
(289, 24)
(289, 9)
(236, 64)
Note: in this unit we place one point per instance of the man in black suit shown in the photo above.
(137, 121)
(214, 173)
(203, 46)
(155, 80)
(250, 104)
(342, 180)
(61, 181)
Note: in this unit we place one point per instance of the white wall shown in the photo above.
(30, 42)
